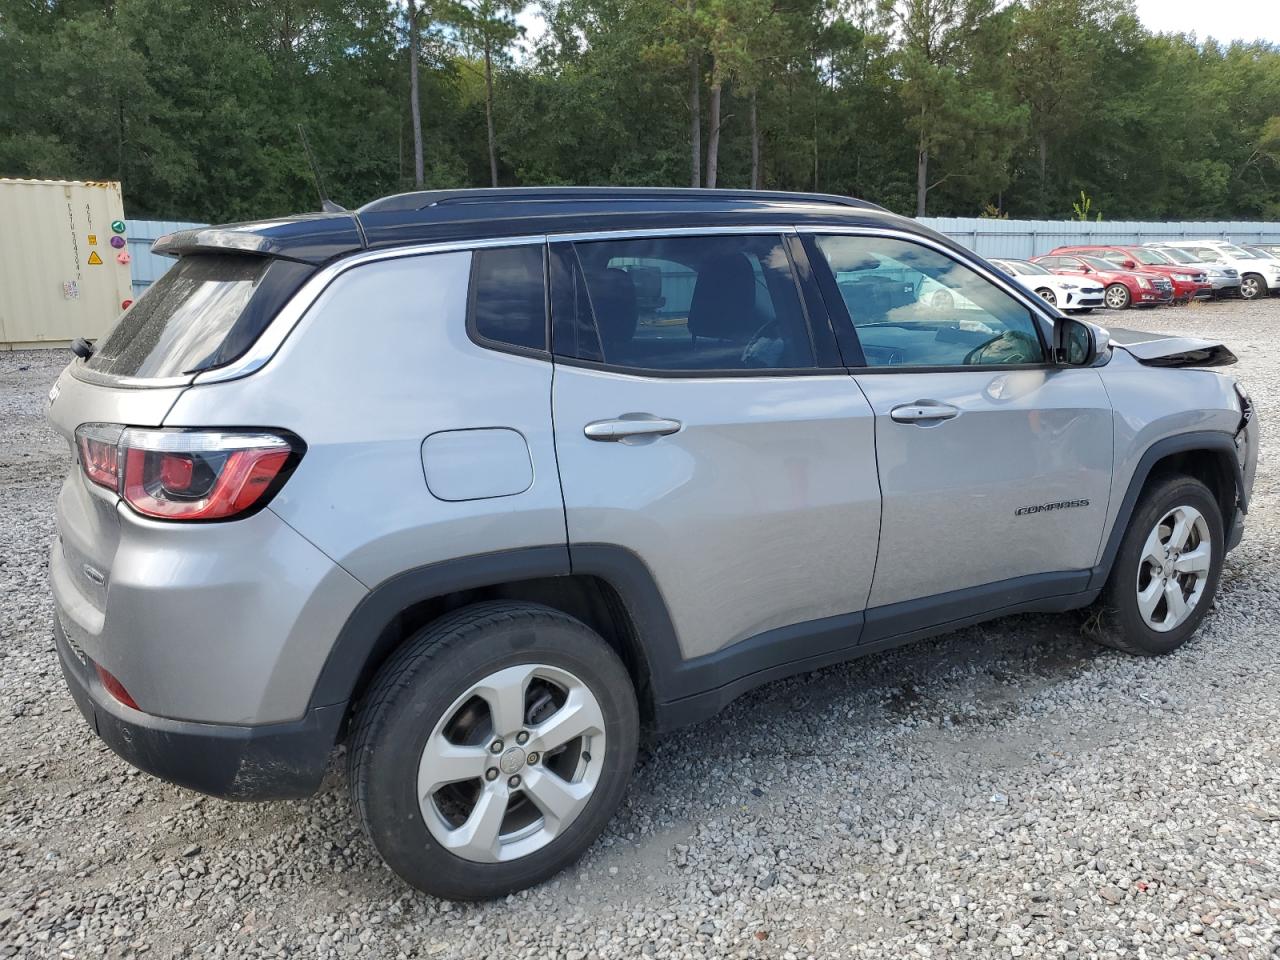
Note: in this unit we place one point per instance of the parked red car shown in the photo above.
(1124, 288)
(1188, 283)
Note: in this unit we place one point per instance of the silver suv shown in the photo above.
(488, 484)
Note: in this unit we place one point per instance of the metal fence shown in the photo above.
(989, 238)
(1020, 239)
(146, 267)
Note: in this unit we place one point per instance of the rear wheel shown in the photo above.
(1047, 295)
(1252, 286)
(1117, 296)
(493, 749)
(1165, 574)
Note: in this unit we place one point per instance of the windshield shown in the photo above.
(1178, 256)
(1151, 256)
(1205, 254)
(1099, 264)
(1031, 269)
(1265, 254)
(1231, 250)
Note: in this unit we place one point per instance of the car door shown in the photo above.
(994, 464)
(705, 424)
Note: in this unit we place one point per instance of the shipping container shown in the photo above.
(64, 261)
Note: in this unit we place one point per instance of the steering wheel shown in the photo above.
(758, 351)
(1009, 336)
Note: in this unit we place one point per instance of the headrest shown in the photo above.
(724, 299)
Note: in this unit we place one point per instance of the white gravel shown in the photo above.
(1010, 790)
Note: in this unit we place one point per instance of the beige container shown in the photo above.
(60, 277)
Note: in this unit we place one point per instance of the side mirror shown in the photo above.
(1128, 264)
(1077, 344)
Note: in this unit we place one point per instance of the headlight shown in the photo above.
(1144, 282)
(1184, 277)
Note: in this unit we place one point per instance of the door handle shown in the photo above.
(631, 425)
(923, 411)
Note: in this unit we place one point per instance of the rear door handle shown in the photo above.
(631, 425)
(924, 411)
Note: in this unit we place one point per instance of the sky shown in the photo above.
(1223, 20)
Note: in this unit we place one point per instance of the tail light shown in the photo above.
(114, 686)
(188, 474)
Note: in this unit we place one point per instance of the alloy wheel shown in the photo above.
(1048, 296)
(1174, 568)
(1117, 297)
(512, 762)
(1250, 288)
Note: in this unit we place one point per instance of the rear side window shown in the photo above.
(508, 303)
(713, 303)
(182, 321)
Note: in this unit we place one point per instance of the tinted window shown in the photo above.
(180, 322)
(695, 303)
(914, 306)
(508, 296)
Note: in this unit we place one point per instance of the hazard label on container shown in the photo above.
(94, 259)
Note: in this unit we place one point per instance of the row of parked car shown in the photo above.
(1118, 276)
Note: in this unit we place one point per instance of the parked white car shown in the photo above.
(1066, 293)
(1258, 275)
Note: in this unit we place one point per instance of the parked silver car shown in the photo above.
(1225, 279)
(488, 483)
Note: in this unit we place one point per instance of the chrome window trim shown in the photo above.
(979, 266)
(265, 347)
(640, 233)
(284, 323)
(291, 314)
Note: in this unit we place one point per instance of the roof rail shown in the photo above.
(422, 199)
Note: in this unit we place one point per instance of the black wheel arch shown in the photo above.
(607, 587)
(1207, 455)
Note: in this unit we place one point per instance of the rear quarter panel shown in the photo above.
(380, 362)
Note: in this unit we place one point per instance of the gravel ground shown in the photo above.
(1009, 790)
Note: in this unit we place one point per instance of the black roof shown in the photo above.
(455, 215)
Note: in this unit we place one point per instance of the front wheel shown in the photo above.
(492, 749)
(1048, 296)
(1117, 296)
(1252, 286)
(1165, 574)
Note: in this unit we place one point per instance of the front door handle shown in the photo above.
(631, 425)
(924, 411)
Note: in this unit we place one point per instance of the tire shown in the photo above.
(1116, 296)
(1253, 286)
(1048, 296)
(425, 696)
(1166, 502)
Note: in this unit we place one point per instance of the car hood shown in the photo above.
(1157, 351)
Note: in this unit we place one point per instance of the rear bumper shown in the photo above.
(269, 762)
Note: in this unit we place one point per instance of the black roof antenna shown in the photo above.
(327, 205)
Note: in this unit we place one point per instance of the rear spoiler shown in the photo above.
(312, 239)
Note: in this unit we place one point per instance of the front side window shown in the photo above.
(914, 306)
(711, 303)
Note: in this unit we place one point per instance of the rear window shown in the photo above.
(206, 311)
